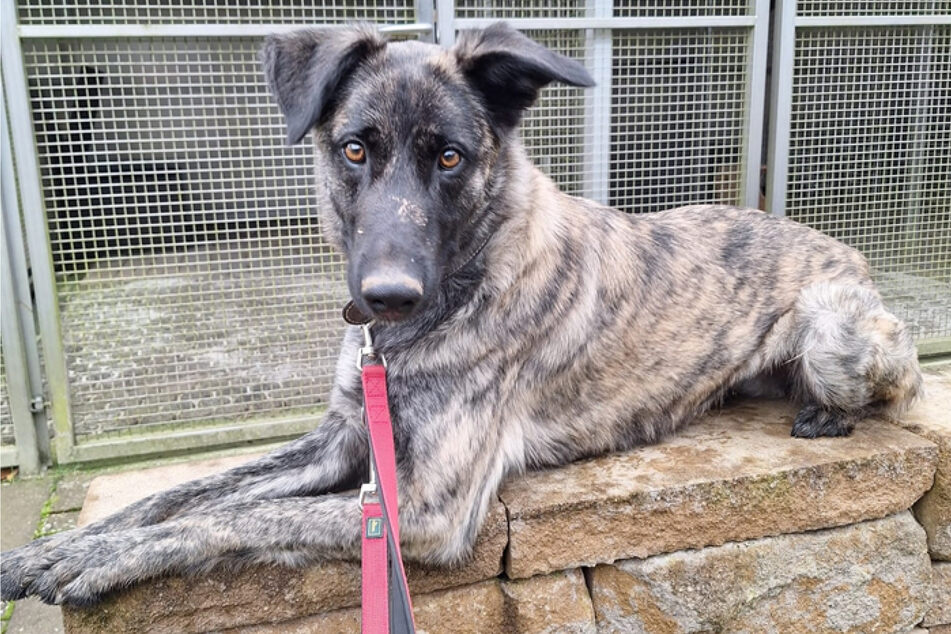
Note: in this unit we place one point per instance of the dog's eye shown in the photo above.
(449, 159)
(354, 152)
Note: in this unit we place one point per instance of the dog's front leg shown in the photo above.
(289, 530)
(331, 458)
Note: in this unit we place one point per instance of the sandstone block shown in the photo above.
(261, 594)
(931, 419)
(551, 603)
(940, 612)
(734, 475)
(868, 577)
(558, 602)
(467, 610)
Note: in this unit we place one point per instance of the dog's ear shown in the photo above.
(305, 70)
(508, 69)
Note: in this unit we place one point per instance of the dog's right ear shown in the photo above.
(508, 69)
(306, 69)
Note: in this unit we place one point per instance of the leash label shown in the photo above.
(374, 527)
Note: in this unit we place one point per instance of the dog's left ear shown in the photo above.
(306, 69)
(508, 69)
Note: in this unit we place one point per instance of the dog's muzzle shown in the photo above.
(391, 296)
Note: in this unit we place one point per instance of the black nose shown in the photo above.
(393, 300)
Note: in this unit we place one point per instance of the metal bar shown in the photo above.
(37, 237)
(688, 22)
(9, 457)
(208, 438)
(597, 137)
(780, 99)
(14, 357)
(874, 20)
(18, 292)
(445, 22)
(425, 14)
(31, 31)
(755, 105)
(938, 346)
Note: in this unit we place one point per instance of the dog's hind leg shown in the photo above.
(852, 358)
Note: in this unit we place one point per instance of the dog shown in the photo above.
(523, 328)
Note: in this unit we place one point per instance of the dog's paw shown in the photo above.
(11, 584)
(76, 572)
(19, 566)
(812, 422)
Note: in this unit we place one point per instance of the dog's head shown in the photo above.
(409, 141)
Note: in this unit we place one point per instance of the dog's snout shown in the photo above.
(392, 298)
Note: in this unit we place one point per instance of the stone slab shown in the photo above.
(473, 609)
(112, 492)
(32, 616)
(551, 603)
(868, 577)
(260, 594)
(940, 612)
(558, 602)
(57, 522)
(71, 492)
(931, 419)
(22, 504)
(734, 475)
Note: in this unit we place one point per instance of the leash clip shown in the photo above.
(367, 352)
(368, 490)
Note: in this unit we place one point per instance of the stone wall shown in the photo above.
(732, 526)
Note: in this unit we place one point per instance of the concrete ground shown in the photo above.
(38, 506)
(31, 508)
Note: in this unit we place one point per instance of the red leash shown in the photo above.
(387, 607)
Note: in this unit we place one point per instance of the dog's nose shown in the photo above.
(393, 299)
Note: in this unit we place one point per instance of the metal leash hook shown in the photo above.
(367, 351)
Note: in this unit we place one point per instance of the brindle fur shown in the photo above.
(576, 330)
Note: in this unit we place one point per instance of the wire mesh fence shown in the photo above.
(193, 282)
(6, 419)
(195, 290)
(870, 154)
(199, 12)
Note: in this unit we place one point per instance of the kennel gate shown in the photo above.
(183, 294)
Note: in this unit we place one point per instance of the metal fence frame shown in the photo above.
(786, 24)
(598, 24)
(65, 447)
(435, 21)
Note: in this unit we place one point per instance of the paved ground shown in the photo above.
(32, 508)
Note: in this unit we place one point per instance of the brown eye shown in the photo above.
(354, 152)
(449, 159)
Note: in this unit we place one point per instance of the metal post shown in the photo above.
(780, 98)
(424, 15)
(755, 105)
(17, 374)
(16, 295)
(445, 22)
(34, 217)
(597, 133)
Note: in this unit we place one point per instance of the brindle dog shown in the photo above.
(523, 328)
